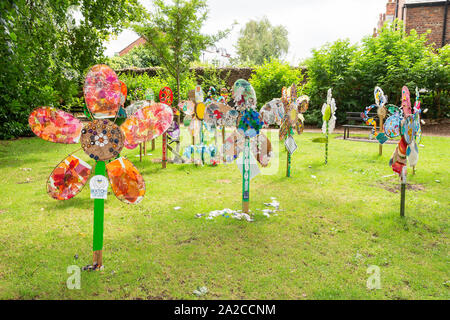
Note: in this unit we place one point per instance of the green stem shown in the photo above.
(99, 210)
(246, 172)
(326, 146)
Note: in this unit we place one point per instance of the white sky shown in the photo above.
(310, 23)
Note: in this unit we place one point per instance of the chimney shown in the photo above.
(390, 8)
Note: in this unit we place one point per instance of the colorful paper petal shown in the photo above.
(126, 181)
(68, 178)
(272, 112)
(55, 125)
(123, 93)
(243, 93)
(187, 107)
(392, 126)
(102, 91)
(134, 107)
(233, 146)
(406, 101)
(147, 123)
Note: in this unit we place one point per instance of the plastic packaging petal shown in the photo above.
(68, 178)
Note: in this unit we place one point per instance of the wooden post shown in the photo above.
(402, 192)
(99, 212)
(246, 176)
(223, 144)
(164, 150)
(402, 200)
(145, 149)
(153, 144)
(192, 150)
(140, 152)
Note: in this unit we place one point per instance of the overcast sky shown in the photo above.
(310, 23)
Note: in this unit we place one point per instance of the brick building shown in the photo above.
(421, 15)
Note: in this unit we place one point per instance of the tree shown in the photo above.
(173, 35)
(260, 41)
(45, 51)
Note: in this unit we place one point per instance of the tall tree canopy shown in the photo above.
(173, 35)
(260, 41)
(47, 45)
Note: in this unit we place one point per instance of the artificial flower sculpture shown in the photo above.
(329, 120)
(249, 128)
(407, 125)
(195, 113)
(102, 140)
(380, 104)
(287, 112)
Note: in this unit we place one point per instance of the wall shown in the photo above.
(234, 73)
(427, 17)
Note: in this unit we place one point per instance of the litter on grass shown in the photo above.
(239, 215)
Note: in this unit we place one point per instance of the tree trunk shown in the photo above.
(178, 95)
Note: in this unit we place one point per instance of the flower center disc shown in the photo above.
(102, 140)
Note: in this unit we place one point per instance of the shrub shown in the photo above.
(330, 66)
(137, 84)
(391, 60)
(271, 77)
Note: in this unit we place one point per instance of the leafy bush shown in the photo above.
(137, 85)
(330, 66)
(271, 77)
(138, 57)
(212, 78)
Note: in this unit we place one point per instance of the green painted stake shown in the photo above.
(288, 169)
(99, 210)
(246, 176)
(326, 146)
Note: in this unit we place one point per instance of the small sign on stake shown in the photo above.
(290, 144)
(99, 187)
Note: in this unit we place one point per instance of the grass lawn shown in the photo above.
(336, 221)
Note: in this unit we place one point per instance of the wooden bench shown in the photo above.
(355, 117)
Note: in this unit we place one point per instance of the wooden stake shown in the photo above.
(145, 149)
(140, 152)
(192, 150)
(403, 192)
(223, 144)
(402, 200)
(164, 151)
(153, 144)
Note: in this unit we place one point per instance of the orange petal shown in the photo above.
(126, 181)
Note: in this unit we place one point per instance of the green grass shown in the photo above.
(319, 247)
